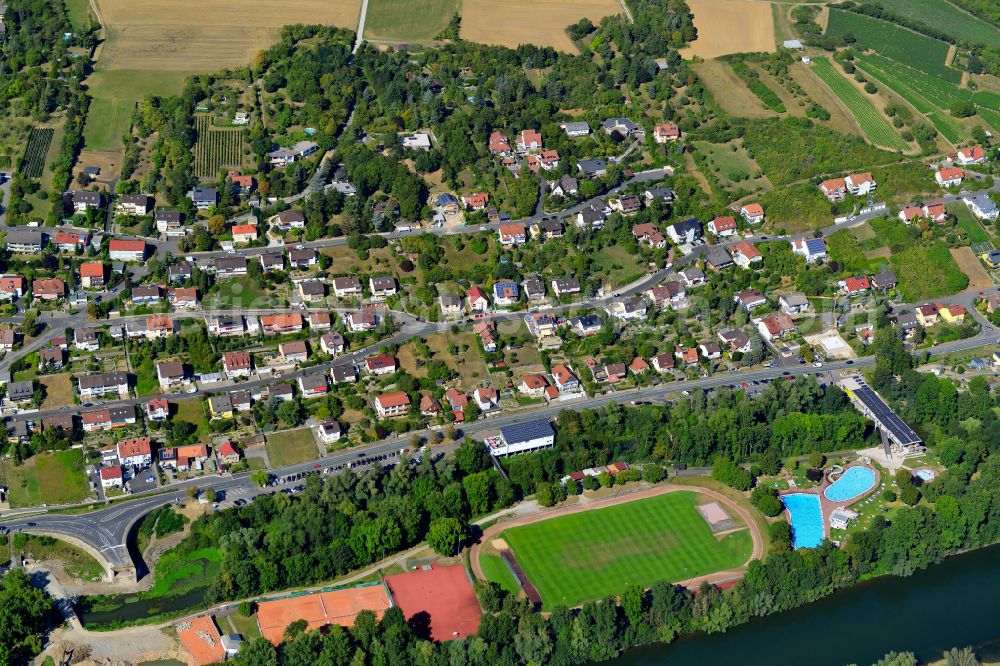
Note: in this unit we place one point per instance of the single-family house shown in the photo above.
(949, 177)
(344, 287)
(134, 204)
(594, 168)
(663, 362)
(750, 299)
(717, 259)
(48, 289)
(237, 364)
(169, 222)
(860, 184)
(813, 249)
(971, 155)
(745, 255)
(722, 225)
(313, 385)
(775, 325)
(499, 144)
(203, 197)
(564, 378)
(735, 339)
(127, 250)
(533, 385)
(982, 207)
(92, 275)
(170, 373)
(450, 305)
(528, 141)
(512, 234)
(575, 128)
(666, 132)
(684, 232)
(693, 277)
(753, 213)
(362, 321)
(505, 293)
(84, 200)
(884, 281)
(381, 364)
(794, 303)
(395, 403)
(294, 351)
(279, 324)
(628, 309)
(71, 241)
(565, 287)
(477, 300)
(476, 200)
(332, 343)
(244, 233)
(710, 350)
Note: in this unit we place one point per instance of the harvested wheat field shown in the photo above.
(198, 36)
(539, 22)
(730, 26)
(970, 265)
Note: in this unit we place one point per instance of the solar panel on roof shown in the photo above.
(903, 433)
(816, 245)
(524, 432)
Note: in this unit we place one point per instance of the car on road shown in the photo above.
(316, 465)
(817, 364)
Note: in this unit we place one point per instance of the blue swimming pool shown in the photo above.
(853, 483)
(806, 518)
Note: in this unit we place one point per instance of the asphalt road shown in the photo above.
(107, 529)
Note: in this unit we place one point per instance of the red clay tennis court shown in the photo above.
(438, 602)
(319, 609)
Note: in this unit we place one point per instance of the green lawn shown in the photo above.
(79, 14)
(77, 562)
(114, 94)
(873, 124)
(413, 21)
(291, 447)
(733, 165)
(969, 224)
(240, 292)
(193, 411)
(47, 478)
(497, 572)
(584, 556)
(176, 572)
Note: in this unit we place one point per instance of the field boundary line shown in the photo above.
(628, 12)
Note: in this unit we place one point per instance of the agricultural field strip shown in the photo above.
(895, 42)
(35, 151)
(216, 147)
(928, 94)
(874, 125)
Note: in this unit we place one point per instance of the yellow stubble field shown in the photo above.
(539, 22)
(205, 35)
(730, 26)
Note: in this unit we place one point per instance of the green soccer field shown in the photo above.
(593, 554)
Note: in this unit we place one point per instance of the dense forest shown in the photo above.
(25, 615)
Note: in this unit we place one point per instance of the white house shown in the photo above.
(949, 177)
(813, 249)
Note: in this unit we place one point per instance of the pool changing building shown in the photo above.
(896, 435)
(521, 438)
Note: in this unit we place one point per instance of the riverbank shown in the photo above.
(949, 604)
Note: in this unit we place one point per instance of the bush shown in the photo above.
(731, 474)
(817, 459)
(653, 473)
(910, 495)
(766, 500)
(245, 608)
(889, 495)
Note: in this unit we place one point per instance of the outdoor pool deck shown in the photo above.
(826, 505)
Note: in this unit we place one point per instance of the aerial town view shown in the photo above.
(453, 332)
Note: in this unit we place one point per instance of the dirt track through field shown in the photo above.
(730, 26)
(716, 577)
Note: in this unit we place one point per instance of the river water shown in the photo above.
(953, 604)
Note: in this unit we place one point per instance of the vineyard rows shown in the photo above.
(873, 124)
(34, 153)
(929, 94)
(900, 44)
(216, 148)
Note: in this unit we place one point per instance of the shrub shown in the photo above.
(731, 474)
(766, 500)
(910, 495)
